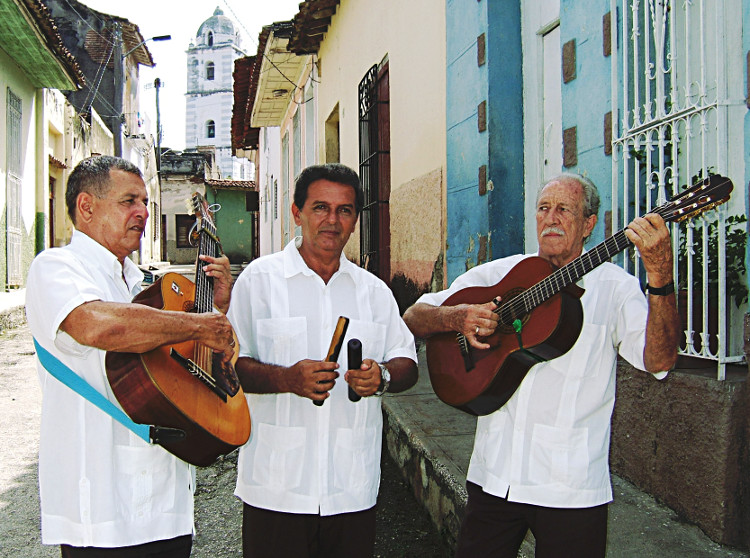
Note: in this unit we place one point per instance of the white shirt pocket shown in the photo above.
(144, 478)
(372, 336)
(355, 458)
(489, 439)
(279, 455)
(281, 341)
(559, 455)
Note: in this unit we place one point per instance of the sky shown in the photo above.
(181, 19)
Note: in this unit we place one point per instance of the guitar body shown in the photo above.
(154, 388)
(548, 331)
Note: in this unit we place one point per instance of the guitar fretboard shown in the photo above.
(204, 285)
(571, 272)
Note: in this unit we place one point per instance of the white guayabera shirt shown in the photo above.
(302, 458)
(549, 444)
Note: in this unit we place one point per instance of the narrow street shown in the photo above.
(404, 530)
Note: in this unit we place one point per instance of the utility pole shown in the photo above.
(119, 89)
(119, 70)
(157, 86)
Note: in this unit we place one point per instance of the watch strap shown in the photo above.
(667, 289)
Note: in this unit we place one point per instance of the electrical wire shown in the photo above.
(93, 91)
(84, 20)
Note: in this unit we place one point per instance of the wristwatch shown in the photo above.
(385, 379)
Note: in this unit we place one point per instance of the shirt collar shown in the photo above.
(103, 258)
(294, 263)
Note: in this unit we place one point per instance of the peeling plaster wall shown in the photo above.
(417, 229)
(416, 225)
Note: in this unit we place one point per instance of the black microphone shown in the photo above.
(354, 353)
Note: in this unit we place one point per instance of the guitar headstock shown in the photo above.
(699, 198)
(203, 215)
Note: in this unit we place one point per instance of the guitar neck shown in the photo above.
(568, 274)
(204, 285)
(586, 262)
(712, 191)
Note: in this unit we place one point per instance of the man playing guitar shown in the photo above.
(540, 462)
(104, 491)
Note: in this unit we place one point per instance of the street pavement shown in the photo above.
(428, 440)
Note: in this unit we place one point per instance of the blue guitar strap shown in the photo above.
(150, 434)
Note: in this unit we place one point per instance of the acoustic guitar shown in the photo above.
(540, 315)
(184, 386)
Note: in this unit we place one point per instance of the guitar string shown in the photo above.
(522, 304)
(204, 296)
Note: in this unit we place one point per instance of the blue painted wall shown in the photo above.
(505, 127)
(497, 215)
(588, 98)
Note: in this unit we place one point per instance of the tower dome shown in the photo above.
(217, 28)
(209, 95)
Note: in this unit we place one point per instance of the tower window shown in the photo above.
(210, 71)
(210, 129)
(210, 39)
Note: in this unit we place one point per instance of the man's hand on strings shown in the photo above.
(475, 321)
(218, 269)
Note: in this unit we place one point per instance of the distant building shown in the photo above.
(110, 51)
(182, 174)
(33, 63)
(210, 61)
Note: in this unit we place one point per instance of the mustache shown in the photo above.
(553, 230)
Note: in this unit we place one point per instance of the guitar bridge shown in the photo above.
(463, 345)
(199, 373)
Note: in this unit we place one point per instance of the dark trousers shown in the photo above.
(178, 547)
(494, 527)
(268, 533)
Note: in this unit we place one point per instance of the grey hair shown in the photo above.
(591, 199)
(92, 176)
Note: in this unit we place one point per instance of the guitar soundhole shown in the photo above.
(511, 312)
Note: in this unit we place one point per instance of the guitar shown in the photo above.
(540, 315)
(184, 386)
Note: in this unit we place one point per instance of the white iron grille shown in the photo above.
(669, 129)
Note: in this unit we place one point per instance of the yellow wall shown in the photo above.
(412, 37)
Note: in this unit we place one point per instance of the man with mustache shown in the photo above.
(104, 491)
(540, 462)
(309, 475)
